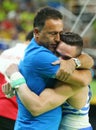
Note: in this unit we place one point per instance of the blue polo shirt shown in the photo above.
(37, 68)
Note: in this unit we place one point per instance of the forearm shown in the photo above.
(86, 61)
(48, 99)
(37, 105)
(80, 78)
(67, 67)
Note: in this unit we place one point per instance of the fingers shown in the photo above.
(66, 69)
(11, 94)
(6, 88)
(62, 76)
(56, 62)
(8, 91)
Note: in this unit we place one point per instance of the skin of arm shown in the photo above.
(51, 98)
(38, 105)
(80, 78)
(86, 63)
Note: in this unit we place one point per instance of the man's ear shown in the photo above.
(36, 32)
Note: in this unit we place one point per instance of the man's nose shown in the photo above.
(57, 37)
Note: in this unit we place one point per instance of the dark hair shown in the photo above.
(29, 36)
(44, 14)
(72, 39)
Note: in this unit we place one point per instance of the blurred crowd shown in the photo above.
(16, 17)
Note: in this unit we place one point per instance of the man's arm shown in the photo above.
(80, 78)
(86, 63)
(60, 97)
(50, 98)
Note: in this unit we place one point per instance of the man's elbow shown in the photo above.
(86, 82)
(36, 110)
(87, 79)
(35, 113)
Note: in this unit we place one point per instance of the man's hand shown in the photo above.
(8, 91)
(66, 68)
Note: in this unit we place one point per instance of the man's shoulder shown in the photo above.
(38, 52)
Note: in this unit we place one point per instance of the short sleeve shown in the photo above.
(43, 64)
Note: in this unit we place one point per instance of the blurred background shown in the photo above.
(16, 19)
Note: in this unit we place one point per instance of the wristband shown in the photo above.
(16, 80)
(16, 75)
(16, 83)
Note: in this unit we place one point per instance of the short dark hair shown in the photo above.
(72, 39)
(44, 14)
(29, 36)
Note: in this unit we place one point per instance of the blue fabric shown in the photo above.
(88, 128)
(38, 71)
